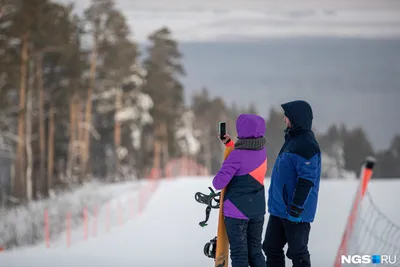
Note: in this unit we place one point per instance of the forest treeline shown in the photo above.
(80, 101)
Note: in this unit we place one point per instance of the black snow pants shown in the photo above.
(281, 231)
(245, 240)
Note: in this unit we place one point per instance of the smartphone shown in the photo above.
(222, 130)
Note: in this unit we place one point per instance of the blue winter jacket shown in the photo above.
(297, 169)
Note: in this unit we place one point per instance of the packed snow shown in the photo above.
(168, 234)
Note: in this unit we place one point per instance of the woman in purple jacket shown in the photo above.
(243, 173)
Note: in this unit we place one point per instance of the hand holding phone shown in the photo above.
(222, 130)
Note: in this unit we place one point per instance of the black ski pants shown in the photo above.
(245, 241)
(281, 231)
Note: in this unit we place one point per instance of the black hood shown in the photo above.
(300, 115)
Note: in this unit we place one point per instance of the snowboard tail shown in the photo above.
(222, 249)
(218, 247)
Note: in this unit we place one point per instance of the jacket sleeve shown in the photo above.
(228, 169)
(307, 173)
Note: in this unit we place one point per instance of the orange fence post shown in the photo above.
(46, 228)
(131, 207)
(95, 221)
(68, 228)
(108, 217)
(365, 177)
(119, 213)
(85, 224)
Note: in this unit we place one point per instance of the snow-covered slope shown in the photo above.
(168, 234)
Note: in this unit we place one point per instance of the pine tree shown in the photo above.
(208, 113)
(134, 115)
(49, 83)
(275, 135)
(35, 34)
(356, 148)
(163, 70)
(388, 161)
(252, 109)
(332, 147)
(112, 57)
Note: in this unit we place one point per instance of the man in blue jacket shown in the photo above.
(293, 192)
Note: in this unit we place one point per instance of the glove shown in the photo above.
(294, 213)
(229, 143)
(227, 140)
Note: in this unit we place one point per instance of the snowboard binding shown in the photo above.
(210, 248)
(212, 201)
(208, 200)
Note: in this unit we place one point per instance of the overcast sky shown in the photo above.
(209, 20)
